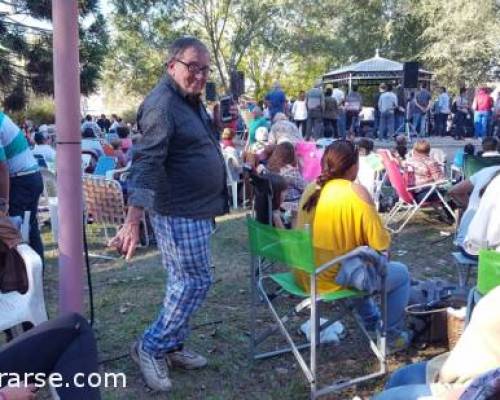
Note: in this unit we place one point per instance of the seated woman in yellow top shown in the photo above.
(342, 217)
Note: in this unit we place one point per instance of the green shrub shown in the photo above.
(129, 116)
(41, 110)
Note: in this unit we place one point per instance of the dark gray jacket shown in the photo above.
(178, 167)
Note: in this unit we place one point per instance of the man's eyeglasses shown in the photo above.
(195, 69)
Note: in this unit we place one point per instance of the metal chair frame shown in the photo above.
(258, 290)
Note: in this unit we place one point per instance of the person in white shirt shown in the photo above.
(91, 143)
(484, 229)
(90, 124)
(443, 110)
(338, 94)
(467, 194)
(299, 112)
(115, 123)
(387, 104)
(42, 148)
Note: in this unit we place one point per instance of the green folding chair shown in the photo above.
(488, 278)
(294, 249)
(473, 164)
(488, 273)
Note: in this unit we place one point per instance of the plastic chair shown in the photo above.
(16, 308)
(89, 161)
(233, 179)
(294, 249)
(407, 203)
(104, 164)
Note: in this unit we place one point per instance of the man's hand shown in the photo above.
(18, 393)
(127, 238)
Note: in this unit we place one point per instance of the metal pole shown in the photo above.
(69, 178)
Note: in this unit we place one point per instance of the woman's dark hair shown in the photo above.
(283, 154)
(402, 150)
(469, 149)
(365, 144)
(122, 132)
(338, 158)
(328, 92)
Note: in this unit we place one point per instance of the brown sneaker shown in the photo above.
(186, 359)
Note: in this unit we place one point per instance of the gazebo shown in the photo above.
(371, 72)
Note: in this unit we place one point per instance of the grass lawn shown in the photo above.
(127, 298)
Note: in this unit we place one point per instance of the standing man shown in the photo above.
(330, 115)
(387, 104)
(482, 105)
(276, 101)
(422, 106)
(315, 103)
(443, 110)
(104, 123)
(339, 97)
(177, 174)
(21, 183)
(353, 105)
(461, 114)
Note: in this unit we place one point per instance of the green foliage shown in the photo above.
(130, 115)
(26, 52)
(41, 110)
(462, 39)
(296, 42)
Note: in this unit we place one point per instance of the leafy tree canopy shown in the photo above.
(26, 51)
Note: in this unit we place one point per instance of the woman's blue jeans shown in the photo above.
(408, 383)
(481, 120)
(398, 294)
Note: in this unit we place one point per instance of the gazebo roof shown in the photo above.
(375, 68)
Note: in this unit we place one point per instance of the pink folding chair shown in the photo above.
(310, 159)
(407, 205)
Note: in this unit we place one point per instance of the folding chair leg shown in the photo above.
(293, 347)
(253, 300)
(446, 205)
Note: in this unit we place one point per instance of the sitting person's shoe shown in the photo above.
(154, 370)
(185, 359)
(399, 342)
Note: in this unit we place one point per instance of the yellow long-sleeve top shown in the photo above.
(340, 222)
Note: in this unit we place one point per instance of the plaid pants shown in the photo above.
(184, 245)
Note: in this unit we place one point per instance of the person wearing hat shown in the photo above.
(44, 149)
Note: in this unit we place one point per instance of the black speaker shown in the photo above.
(211, 91)
(237, 83)
(410, 75)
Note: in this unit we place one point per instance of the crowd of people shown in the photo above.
(335, 113)
(179, 161)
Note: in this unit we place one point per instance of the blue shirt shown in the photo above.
(277, 100)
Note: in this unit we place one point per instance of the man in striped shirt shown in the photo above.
(20, 180)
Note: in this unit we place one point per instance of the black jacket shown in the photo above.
(178, 168)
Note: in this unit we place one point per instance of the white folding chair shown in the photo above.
(16, 308)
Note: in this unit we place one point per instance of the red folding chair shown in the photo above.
(407, 206)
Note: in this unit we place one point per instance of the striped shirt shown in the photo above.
(14, 148)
